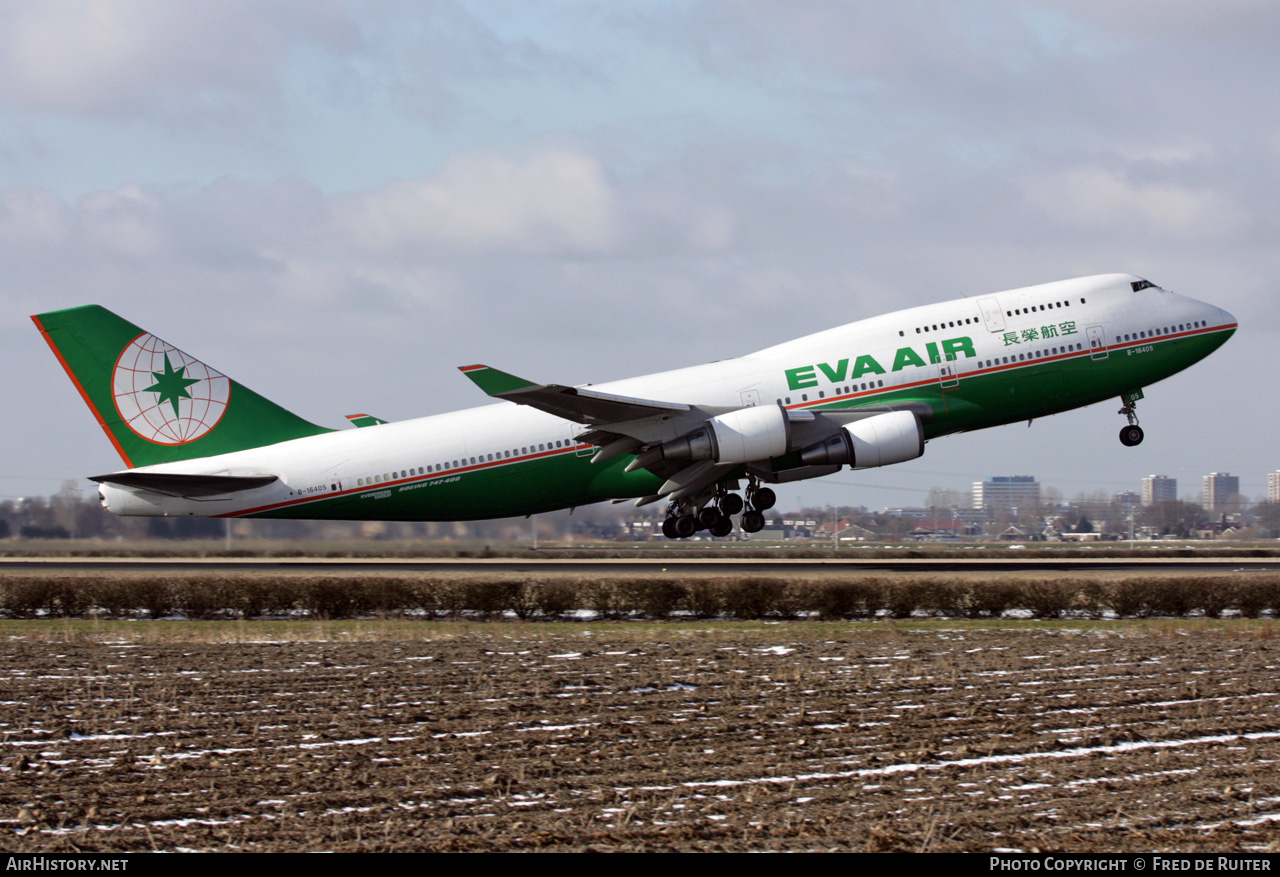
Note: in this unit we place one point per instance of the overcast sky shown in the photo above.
(337, 203)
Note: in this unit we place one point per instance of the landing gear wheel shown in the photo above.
(764, 499)
(709, 517)
(669, 528)
(685, 526)
(752, 522)
(722, 527)
(1130, 436)
(730, 503)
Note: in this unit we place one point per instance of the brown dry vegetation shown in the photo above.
(248, 595)
(758, 548)
(400, 735)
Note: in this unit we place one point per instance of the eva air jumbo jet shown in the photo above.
(867, 394)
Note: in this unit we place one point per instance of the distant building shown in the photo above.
(1007, 492)
(1273, 487)
(917, 514)
(1158, 489)
(1219, 492)
(1127, 500)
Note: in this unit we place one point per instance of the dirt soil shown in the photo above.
(787, 737)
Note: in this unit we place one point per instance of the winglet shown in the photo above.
(492, 381)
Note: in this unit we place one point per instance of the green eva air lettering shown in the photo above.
(799, 378)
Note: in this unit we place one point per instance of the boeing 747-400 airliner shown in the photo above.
(706, 440)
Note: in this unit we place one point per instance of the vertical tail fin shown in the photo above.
(156, 403)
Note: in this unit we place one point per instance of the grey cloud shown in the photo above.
(238, 63)
(109, 58)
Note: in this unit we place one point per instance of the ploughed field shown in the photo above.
(707, 736)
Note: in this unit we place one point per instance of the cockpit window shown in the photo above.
(1139, 285)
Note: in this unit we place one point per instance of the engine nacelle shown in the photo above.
(755, 433)
(742, 436)
(881, 440)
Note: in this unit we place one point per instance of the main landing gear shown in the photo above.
(1130, 435)
(714, 513)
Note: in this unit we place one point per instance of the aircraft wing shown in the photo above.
(190, 486)
(623, 425)
(579, 404)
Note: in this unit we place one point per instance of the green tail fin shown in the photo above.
(156, 403)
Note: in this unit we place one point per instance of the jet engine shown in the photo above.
(876, 441)
(755, 433)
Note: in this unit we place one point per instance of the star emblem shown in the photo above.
(171, 385)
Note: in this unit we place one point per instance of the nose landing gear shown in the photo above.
(1131, 435)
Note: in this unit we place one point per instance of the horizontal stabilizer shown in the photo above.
(572, 403)
(365, 420)
(175, 484)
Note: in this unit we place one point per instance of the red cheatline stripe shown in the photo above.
(83, 394)
(416, 479)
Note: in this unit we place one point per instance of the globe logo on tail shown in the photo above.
(166, 396)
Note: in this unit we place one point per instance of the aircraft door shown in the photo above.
(583, 449)
(1097, 342)
(949, 372)
(992, 315)
(750, 398)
